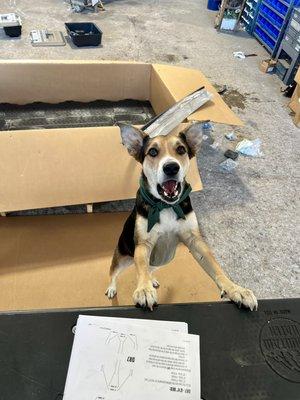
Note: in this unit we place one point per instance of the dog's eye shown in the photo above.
(153, 152)
(181, 150)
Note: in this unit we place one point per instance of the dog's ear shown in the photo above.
(133, 140)
(193, 137)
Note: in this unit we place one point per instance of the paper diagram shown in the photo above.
(123, 341)
(121, 344)
(115, 382)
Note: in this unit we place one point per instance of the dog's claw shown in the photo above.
(111, 292)
(155, 283)
(145, 296)
(240, 296)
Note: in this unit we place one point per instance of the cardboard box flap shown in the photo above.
(297, 77)
(63, 262)
(170, 84)
(59, 167)
(30, 81)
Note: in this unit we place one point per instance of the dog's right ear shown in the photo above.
(193, 137)
(133, 140)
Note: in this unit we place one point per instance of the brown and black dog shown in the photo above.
(163, 216)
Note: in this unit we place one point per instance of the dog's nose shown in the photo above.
(171, 169)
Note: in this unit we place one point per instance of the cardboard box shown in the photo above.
(267, 66)
(63, 261)
(295, 100)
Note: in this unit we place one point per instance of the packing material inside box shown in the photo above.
(63, 261)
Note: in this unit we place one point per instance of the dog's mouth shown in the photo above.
(169, 190)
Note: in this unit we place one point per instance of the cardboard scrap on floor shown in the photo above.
(63, 261)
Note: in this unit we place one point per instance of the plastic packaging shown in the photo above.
(231, 136)
(249, 147)
(228, 165)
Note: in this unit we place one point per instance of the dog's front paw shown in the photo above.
(111, 291)
(240, 296)
(145, 296)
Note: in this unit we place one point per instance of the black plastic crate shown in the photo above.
(13, 31)
(84, 33)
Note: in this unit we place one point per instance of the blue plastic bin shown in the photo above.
(213, 5)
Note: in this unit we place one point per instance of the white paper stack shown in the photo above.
(133, 359)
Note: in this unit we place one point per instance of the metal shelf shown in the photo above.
(273, 9)
(265, 16)
(270, 50)
(266, 32)
(245, 20)
(285, 3)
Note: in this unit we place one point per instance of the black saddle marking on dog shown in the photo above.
(126, 243)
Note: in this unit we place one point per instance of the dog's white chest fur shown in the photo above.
(168, 222)
(168, 231)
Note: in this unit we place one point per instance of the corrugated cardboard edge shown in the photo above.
(61, 167)
(170, 84)
(55, 81)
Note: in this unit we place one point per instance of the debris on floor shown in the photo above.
(221, 89)
(231, 154)
(43, 37)
(249, 147)
(239, 54)
(86, 5)
(228, 165)
(231, 136)
(207, 128)
(267, 66)
(215, 145)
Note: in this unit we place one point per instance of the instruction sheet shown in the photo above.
(128, 359)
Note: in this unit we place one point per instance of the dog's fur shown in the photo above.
(149, 250)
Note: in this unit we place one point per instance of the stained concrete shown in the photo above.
(249, 217)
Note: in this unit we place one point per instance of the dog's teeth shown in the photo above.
(176, 193)
(165, 194)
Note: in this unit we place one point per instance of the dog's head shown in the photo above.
(165, 159)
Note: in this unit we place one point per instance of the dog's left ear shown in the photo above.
(133, 140)
(193, 138)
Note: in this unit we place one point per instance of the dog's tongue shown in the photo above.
(169, 187)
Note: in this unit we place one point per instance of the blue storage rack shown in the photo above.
(271, 21)
(249, 14)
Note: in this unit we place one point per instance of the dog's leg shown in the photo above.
(201, 252)
(145, 293)
(118, 264)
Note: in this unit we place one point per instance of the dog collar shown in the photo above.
(156, 206)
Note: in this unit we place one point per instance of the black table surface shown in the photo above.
(244, 355)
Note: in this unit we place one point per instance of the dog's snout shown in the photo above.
(171, 169)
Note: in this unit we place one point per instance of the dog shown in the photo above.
(163, 216)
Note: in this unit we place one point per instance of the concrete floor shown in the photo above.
(248, 216)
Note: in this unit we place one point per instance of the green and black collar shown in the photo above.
(156, 206)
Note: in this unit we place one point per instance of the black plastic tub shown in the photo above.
(84, 33)
(13, 31)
